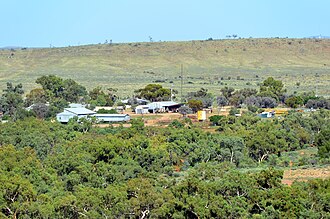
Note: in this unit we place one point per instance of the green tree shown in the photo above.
(154, 92)
(227, 92)
(216, 119)
(72, 91)
(294, 101)
(11, 101)
(57, 88)
(37, 95)
(99, 98)
(184, 110)
(230, 149)
(272, 88)
(195, 105)
(322, 141)
(52, 85)
(203, 96)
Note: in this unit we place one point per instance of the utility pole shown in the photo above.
(181, 82)
(172, 92)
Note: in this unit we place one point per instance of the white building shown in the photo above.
(69, 113)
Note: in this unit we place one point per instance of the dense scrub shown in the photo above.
(50, 170)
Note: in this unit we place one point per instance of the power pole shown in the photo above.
(172, 92)
(181, 82)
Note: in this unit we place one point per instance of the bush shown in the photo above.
(252, 108)
(234, 111)
(216, 119)
(176, 124)
(111, 111)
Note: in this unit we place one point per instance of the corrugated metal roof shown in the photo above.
(158, 105)
(111, 115)
(80, 111)
(76, 105)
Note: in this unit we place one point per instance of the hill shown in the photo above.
(302, 64)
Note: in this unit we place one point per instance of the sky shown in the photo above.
(41, 23)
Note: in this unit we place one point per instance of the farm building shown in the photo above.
(77, 105)
(112, 117)
(135, 101)
(69, 113)
(266, 114)
(164, 106)
(158, 107)
(142, 109)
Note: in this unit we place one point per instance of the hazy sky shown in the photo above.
(39, 23)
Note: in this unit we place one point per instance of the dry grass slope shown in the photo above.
(207, 64)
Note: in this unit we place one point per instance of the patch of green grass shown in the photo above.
(130, 66)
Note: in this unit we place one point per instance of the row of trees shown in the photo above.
(271, 93)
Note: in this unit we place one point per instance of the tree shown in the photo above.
(37, 95)
(154, 92)
(294, 101)
(184, 110)
(222, 101)
(203, 96)
(41, 110)
(231, 149)
(72, 91)
(52, 85)
(55, 87)
(322, 141)
(227, 92)
(260, 102)
(272, 88)
(11, 100)
(99, 98)
(195, 105)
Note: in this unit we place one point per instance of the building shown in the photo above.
(135, 101)
(142, 109)
(266, 115)
(69, 113)
(76, 105)
(164, 106)
(112, 117)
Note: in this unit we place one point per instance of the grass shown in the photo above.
(133, 65)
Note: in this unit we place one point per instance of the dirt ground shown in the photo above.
(290, 176)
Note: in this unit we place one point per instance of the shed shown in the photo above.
(164, 106)
(266, 115)
(69, 113)
(76, 105)
(142, 109)
(112, 117)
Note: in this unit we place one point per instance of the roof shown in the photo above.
(76, 105)
(64, 114)
(80, 111)
(111, 115)
(161, 104)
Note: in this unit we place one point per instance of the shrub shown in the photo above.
(234, 111)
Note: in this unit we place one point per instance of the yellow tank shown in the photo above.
(201, 115)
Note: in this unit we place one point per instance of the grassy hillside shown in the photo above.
(133, 65)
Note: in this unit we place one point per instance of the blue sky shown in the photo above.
(39, 23)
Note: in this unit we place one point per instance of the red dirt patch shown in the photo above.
(290, 176)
